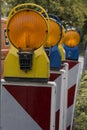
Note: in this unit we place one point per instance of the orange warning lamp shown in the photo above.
(72, 38)
(51, 46)
(54, 34)
(27, 31)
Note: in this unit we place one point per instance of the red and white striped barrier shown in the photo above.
(26, 106)
(36, 106)
(60, 78)
(73, 80)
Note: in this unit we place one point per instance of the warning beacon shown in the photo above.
(27, 31)
(51, 46)
(71, 41)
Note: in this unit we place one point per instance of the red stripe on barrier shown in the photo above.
(35, 100)
(71, 94)
(68, 128)
(71, 63)
(54, 76)
(57, 120)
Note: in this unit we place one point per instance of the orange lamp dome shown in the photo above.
(27, 30)
(72, 38)
(54, 34)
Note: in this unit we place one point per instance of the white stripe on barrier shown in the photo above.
(73, 72)
(53, 103)
(65, 84)
(62, 103)
(69, 114)
(58, 82)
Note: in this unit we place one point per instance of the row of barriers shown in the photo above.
(38, 106)
(38, 89)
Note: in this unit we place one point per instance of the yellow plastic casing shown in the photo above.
(40, 63)
(40, 66)
(62, 52)
(60, 45)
